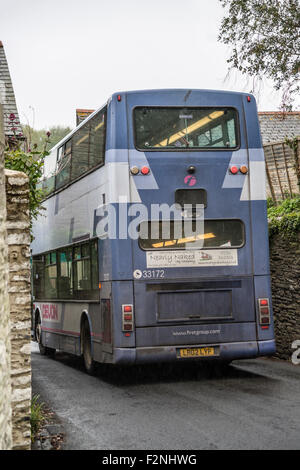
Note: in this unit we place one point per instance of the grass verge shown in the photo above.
(37, 416)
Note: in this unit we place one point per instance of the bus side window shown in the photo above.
(38, 277)
(82, 272)
(65, 279)
(50, 276)
(47, 183)
(81, 146)
(63, 165)
(85, 271)
(97, 139)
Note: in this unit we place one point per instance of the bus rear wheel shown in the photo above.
(44, 350)
(89, 363)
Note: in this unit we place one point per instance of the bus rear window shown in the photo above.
(172, 235)
(158, 128)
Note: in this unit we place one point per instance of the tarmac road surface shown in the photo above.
(255, 404)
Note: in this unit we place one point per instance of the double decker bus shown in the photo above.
(153, 245)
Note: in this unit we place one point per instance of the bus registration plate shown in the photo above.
(197, 352)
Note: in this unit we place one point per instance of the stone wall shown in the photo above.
(5, 382)
(18, 238)
(285, 273)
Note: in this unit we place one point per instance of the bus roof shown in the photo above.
(165, 91)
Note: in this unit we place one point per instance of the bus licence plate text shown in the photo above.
(197, 352)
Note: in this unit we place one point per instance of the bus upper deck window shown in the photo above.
(162, 128)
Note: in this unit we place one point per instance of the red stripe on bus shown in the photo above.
(97, 336)
(54, 330)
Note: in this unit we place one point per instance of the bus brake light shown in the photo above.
(145, 170)
(264, 313)
(127, 318)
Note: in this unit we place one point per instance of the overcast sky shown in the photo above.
(68, 54)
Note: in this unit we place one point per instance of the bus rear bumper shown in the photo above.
(267, 348)
(226, 352)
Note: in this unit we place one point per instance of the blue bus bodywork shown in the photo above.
(164, 295)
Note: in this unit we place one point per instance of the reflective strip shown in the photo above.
(118, 184)
(256, 190)
(256, 155)
(238, 159)
(116, 156)
(257, 175)
(118, 163)
(139, 159)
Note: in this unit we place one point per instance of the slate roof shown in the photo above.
(7, 98)
(275, 125)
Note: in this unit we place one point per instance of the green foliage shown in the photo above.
(32, 164)
(270, 202)
(37, 416)
(265, 40)
(285, 218)
(36, 138)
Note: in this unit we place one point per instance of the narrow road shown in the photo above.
(254, 405)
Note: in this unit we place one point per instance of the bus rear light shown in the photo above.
(127, 318)
(264, 312)
(134, 170)
(244, 169)
(145, 170)
(248, 99)
(119, 98)
(265, 320)
(234, 170)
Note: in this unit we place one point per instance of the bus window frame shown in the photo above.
(62, 156)
(204, 248)
(100, 165)
(237, 126)
(57, 252)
